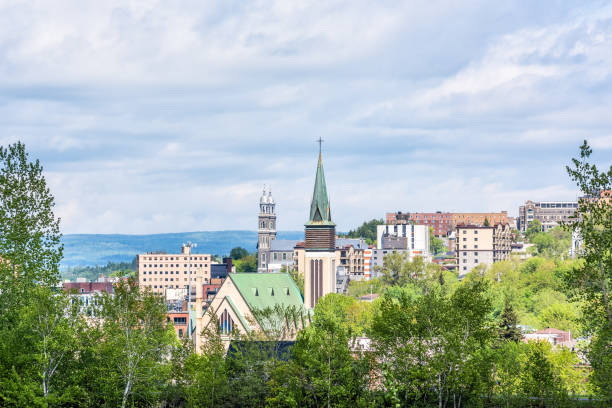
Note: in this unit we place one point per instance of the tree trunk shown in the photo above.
(126, 392)
(604, 290)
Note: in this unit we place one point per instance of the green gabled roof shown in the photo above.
(257, 288)
(320, 213)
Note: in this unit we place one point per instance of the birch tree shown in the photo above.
(592, 280)
(134, 342)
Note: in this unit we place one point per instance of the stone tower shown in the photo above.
(266, 230)
(320, 242)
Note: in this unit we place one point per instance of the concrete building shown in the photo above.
(443, 223)
(281, 254)
(266, 229)
(403, 236)
(159, 271)
(481, 245)
(234, 304)
(549, 213)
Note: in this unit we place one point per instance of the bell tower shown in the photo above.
(320, 242)
(266, 230)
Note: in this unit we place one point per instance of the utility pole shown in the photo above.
(189, 328)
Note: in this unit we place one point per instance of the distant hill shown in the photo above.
(99, 249)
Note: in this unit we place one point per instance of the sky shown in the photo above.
(156, 116)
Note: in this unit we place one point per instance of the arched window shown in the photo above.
(226, 324)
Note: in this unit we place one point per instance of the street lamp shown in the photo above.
(189, 245)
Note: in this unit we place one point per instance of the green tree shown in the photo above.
(247, 264)
(204, 374)
(367, 230)
(508, 326)
(129, 347)
(330, 374)
(238, 253)
(31, 324)
(436, 245)
(535, 227)
(591, 280)
(30, 245)
(433, 348)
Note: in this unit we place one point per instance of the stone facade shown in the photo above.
(266, 229)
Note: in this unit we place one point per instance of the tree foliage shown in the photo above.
(367, 230)
(591, 280)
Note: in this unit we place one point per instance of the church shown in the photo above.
(241, 294)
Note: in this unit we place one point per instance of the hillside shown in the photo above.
(99, 249)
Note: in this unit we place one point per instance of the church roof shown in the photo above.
(262, 290)
(283, 244)
(320, 213)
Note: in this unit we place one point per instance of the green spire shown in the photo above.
(319, 208)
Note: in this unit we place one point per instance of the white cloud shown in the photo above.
(154, 116)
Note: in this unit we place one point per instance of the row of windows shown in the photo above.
(475, 247)
(475, 261)
(165, 272)
(475, 232)
(172, 265)
(178, 258)
(276, 256)
(475, 239)
(155, 279)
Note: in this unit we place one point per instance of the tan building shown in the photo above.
(476, 245)
(159, 271)
(549, 213)
(232, 309)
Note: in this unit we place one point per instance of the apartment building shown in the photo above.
(443, 223)
(477, 245)
(549, 213)
(403, 236)
(349, 253)
(159, 271)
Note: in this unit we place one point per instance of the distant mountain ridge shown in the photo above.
(99, 249)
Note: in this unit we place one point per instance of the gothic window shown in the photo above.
(226, 323)
(263, 224)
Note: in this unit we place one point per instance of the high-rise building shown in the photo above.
(159, 271)
(549, 213)
(266, 230)
(477, 245)
(319, 266)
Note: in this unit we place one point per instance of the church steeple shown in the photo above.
(320, 212)
(320, 230)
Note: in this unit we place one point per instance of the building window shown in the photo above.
(476, 239)
(475, 246)
(225, 323)
(475, 261)
(475, 231)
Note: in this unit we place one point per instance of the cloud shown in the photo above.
(159, 117)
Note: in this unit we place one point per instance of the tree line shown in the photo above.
(428, 340)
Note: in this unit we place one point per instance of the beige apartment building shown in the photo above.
(477, 245)
(160, 271)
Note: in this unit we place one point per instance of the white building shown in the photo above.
(405, 236)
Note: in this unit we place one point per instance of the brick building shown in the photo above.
(443, 223)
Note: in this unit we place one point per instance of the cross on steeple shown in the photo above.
(320, 141)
